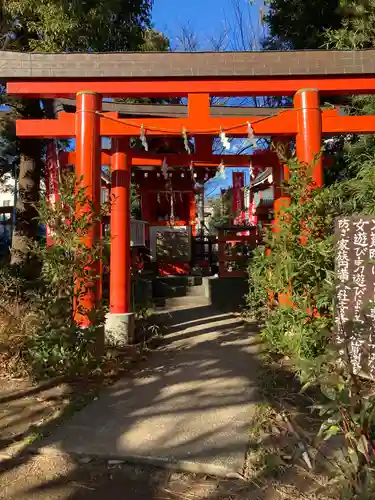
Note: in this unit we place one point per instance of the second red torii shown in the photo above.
(259, 159)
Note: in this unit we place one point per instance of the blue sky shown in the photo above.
(205, 16)
(209, 19)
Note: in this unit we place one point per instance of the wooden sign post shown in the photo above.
(355, 290)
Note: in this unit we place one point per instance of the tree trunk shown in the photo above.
(26, 228)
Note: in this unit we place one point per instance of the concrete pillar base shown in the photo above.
(119, 329)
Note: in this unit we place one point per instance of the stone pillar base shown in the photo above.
(119, 329)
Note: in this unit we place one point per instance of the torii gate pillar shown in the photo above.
(309, 132)
(119, 326)
(88, 173)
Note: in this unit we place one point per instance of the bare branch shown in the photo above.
(187, 40)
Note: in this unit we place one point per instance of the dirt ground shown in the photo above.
(59, 478)
(28, 412)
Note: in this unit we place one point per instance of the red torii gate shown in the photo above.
(201, 164)
(306, 122)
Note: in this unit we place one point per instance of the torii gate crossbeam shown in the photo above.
(284, 124)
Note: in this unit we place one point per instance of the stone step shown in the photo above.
(181, 291)
(179, 280)
(162, 304)
(196, 291)
(174, 286)
(165, 292)
(191, 302)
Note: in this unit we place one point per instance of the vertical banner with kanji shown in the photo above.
(355, 291)
(238, 179)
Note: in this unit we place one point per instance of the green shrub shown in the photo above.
(303, 330)
(48, 340)
(303, 270)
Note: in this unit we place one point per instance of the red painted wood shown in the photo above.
(284, 124)
(258, 159)
(120, 263)
(224, 87)
(88, 174)
(167, 268)
(309, 135)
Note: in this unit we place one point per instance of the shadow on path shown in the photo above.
(190, 404)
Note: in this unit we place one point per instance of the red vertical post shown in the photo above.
(238, 181)
(309, 135)
(192, 213)
(308, 146)
(280, 174)
(120, 263)
(198, 106)
(278, 204)
(88, 172)
(281, 203)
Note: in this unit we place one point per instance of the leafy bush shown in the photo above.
(303, 271)
(348, 411)
(60, 345)
(292, 290)
(52, 343)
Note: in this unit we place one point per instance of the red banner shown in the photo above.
(238, 179)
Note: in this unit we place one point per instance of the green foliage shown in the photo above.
(64, 26)
(355, 195)
(135, 205)
(348, 410)
(37, 327)
(221, 212)
(155, 41)
(305, 269)
(59, 345)
(302, 328)
(339, 24)
(297, 24)
(357, 30)
(8, 152)
(59, 25)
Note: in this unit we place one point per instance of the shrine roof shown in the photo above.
(261, 178)
(123, 65)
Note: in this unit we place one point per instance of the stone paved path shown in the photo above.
(188, 407)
